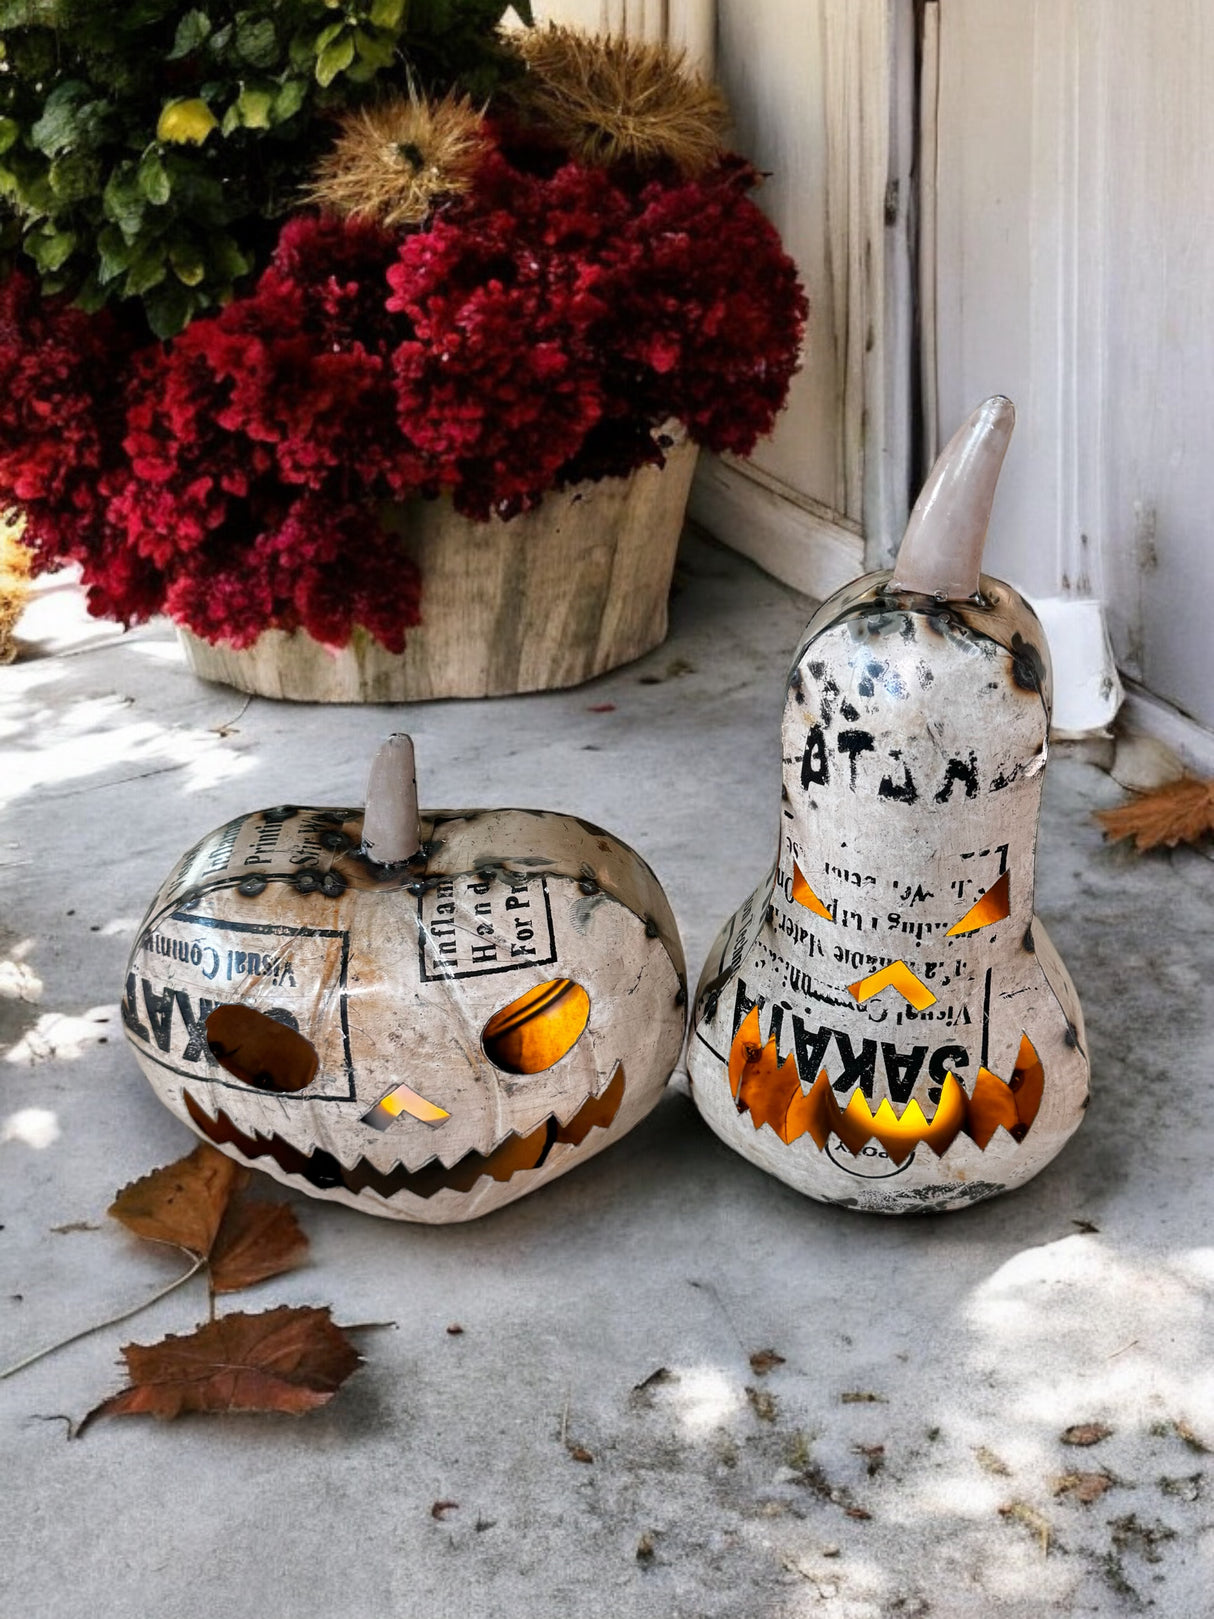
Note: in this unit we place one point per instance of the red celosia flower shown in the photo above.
(538, 332)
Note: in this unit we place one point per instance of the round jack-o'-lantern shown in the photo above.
(421, 1016)
(885, 1024)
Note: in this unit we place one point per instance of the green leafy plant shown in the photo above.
(149, 150)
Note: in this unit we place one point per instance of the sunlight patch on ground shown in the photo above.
(705, 1398)
(18, 980)
(59, 1035)
(35, 1127)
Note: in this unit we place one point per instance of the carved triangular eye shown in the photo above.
(994, 905)
(537, 1029)
(804, 894)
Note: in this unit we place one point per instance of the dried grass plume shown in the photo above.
(15, 566)
(615, 100)
(391, 163)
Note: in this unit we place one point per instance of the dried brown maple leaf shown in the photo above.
(1179, 812)
(256, 1240)
(197, 1204)
(288, 1359)
(183, 1203)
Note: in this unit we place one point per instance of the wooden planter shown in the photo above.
(552, 598)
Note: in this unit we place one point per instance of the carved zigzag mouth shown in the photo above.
(323, 1169)
(770, 1091)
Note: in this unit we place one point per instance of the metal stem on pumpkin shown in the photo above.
(941, 551)
(391, 832)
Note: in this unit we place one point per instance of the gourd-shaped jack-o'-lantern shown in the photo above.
(884, 1024)
(424, 1017)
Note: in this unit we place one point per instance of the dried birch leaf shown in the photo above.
(183, 1203)
(1180, 812)
(256, 1240)
(1033, 1520)
(287, 1359)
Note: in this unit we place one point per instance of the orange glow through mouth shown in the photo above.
(771, 1092)
(510, 1156)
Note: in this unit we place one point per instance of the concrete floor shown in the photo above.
(976, 1339)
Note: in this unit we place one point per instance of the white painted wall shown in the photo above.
(1075, 272)
(821, 95)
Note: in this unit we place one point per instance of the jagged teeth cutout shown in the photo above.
(322, 1169)
(771, 1092)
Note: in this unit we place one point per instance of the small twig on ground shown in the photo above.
(110, 1321)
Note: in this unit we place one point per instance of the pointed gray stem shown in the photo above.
(941, 551)
(391, 832)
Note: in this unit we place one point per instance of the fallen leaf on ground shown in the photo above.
(1183, 1431)
(861, 1514)
(579, 1453)
(762, 1404)
(198, 1204)
(1180, 812)
(763, 1360)
(256, 1240)
(601, 708)
(1085, 1433)
(645, 1548)
(862, 1397)
(454, 1330)
(287, 1359)
(874, 1455)
(663, 1374)
(1021, 1512)
(183, 1203)
(440, 1509)
(1085, 1487)
(990, 1463)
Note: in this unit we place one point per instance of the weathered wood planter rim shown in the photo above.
(550, 599)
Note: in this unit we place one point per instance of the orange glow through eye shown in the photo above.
(994, 905)
(804, 894)
(402, 1099)
(537, 1029)
(898, 974)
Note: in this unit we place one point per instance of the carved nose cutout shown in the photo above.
(804, 894)
(260, 1050)
(537, 1029)
(898, 974)
(404, 1099)
(994, 905)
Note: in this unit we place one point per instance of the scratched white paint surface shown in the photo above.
(986, 1331)
(1076, 273)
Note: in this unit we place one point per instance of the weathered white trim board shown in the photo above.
(787, 536)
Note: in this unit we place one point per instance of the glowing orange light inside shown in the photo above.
(403, 1099)
(994, 905)
(537, 1029)
(1014, 1105)
(804, 894)
(898, 974)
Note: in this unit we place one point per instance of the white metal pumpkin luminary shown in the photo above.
(422, 1016)
(884, 1024)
